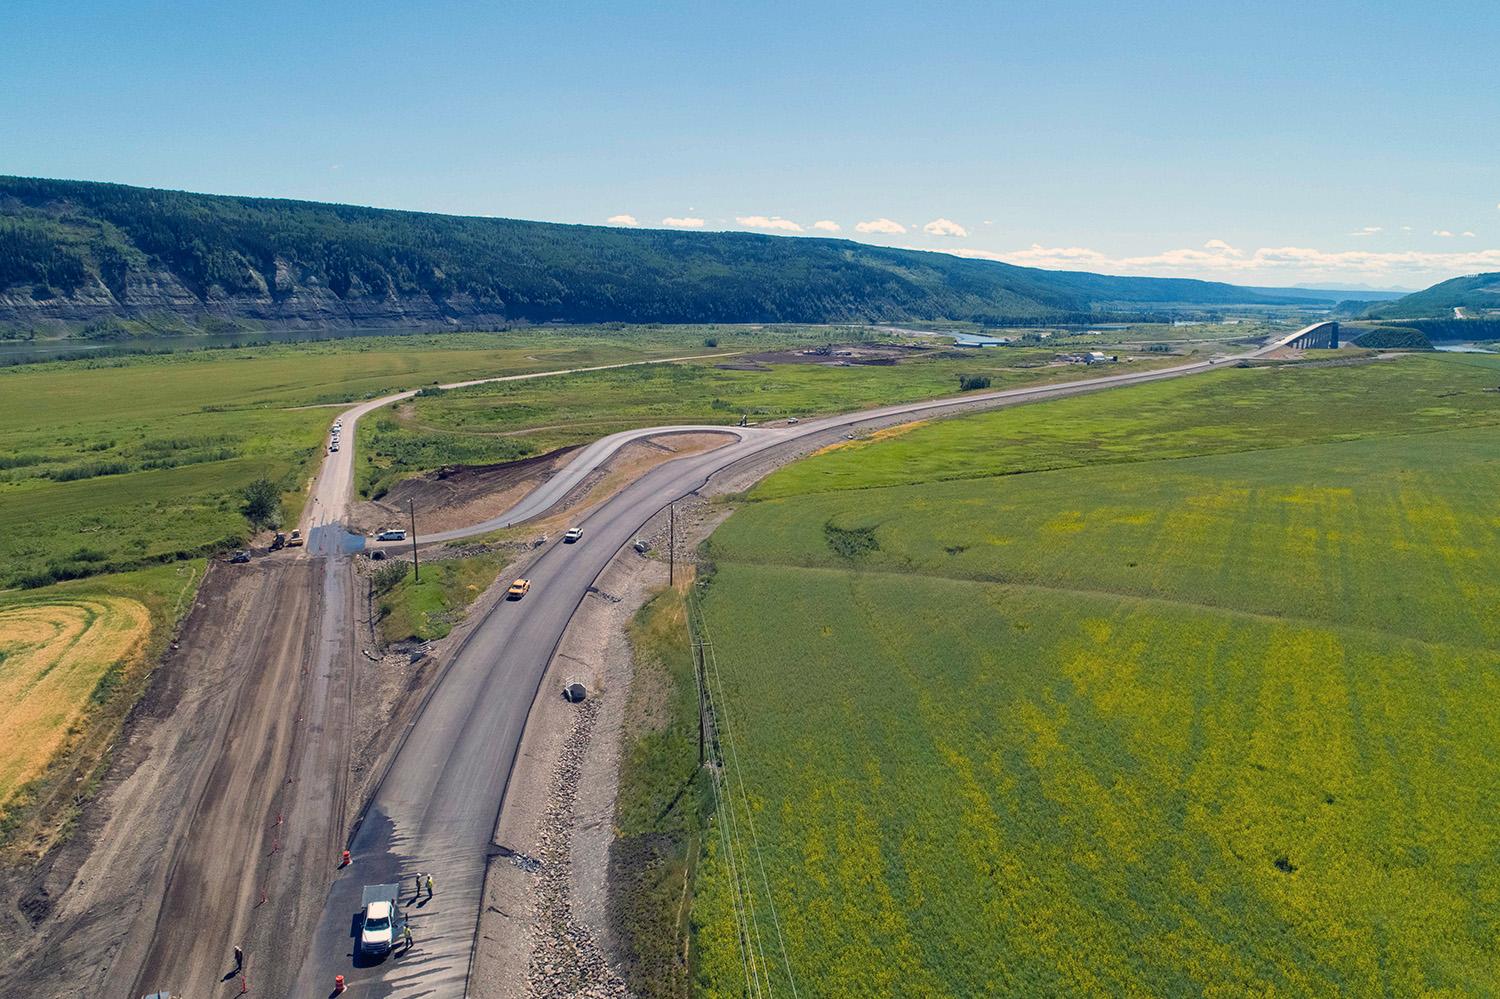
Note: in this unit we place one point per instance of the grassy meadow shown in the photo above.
(509, 420)
(113, 463)
(427, 609)
(1183, 689)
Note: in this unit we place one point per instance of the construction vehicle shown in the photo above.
(295, 541)
(381, 920)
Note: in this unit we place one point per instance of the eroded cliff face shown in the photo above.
(153, 296)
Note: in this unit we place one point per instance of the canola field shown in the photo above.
(1216, 722)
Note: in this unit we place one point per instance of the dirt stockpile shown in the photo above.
(459, 495)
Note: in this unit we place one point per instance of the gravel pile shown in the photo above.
(693, 514)
(565, 959)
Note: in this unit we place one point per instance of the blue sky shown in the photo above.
(1267, 143)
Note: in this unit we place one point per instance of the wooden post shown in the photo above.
(415, 568)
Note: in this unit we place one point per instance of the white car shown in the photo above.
(574, 533)
(333, 447)
(394, 534)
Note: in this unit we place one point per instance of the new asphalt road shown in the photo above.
(435, 810)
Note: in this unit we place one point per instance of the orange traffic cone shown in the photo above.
(346, 860)
(338, 984)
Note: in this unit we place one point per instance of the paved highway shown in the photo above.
(436, 808)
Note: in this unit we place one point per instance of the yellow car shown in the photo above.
(518, 589)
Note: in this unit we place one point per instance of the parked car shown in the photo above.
(295, 541)
(380, 919)
(574, 533)
(240, 557)
(392, 534)
(518, 589)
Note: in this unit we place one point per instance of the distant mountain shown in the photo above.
(76, 252)
(1478, 295)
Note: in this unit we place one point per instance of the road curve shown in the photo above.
(333, 489)
(436, 808)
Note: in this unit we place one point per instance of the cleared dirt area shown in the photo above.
(838, 356)
(459, 495)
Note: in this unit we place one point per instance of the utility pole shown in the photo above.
(671, 542)
(416, 569)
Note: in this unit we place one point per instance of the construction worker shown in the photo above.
(406, 934)
(429, 886)
(239, 958)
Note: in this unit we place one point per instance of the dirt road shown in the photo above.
(266, 829)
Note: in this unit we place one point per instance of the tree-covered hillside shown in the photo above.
(1478, 295)
(72, 250)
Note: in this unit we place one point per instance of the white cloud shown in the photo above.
(622, 220)
(826, 225)
(1219, 246)
(1368, 230)
(1443, 233)
(944, 227)
(1467, 234)
(1218, 260)
(881, 225)
(989, 222)
(682, 223)
(768, 222)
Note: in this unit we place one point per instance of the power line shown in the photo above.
(742, 921)
(712, 655)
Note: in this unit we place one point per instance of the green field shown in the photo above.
(509, 420)
(114, 463)
(1184, 689)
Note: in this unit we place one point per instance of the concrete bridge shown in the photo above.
(1318, 335)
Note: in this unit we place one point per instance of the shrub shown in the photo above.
(388, 577)
(969, 383)
(262, 503)
(851, 542)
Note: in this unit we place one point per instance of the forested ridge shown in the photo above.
(76, 249)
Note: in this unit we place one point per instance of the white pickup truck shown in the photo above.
(380, 920)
